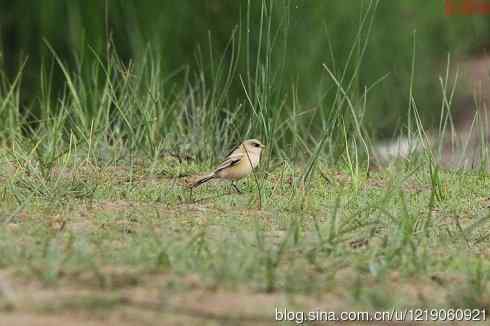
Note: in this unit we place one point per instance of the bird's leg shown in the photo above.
(235, 187)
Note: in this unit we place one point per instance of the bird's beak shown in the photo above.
(262, 146)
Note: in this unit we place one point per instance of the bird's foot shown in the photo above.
(236, 188)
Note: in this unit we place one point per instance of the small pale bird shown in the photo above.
(237, 165)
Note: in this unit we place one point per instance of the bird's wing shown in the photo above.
(231, 160)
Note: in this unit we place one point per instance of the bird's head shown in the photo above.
(253, 146)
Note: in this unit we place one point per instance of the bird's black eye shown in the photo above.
(256, 145)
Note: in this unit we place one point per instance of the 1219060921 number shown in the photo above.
(448, 315)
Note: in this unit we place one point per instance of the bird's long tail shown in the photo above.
(202, 180)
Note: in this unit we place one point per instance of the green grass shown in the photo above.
(305, 35)
(96, 235)
(94, 217)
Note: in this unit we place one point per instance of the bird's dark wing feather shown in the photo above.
(231, 160)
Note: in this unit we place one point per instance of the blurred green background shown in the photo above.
(183, 33)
